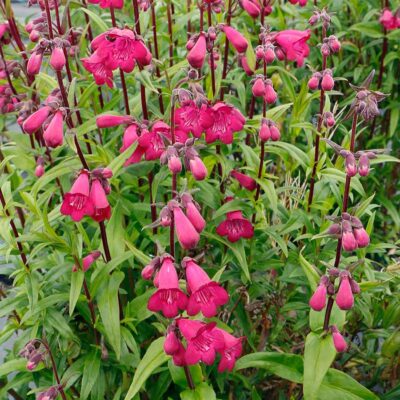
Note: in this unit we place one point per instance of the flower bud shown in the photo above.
(252, 8)
(197, 168)
(334, 44)
(318, 299)
(258, 88)
(36, 120)
(245, 65)
(270, 94)
(327, 82)
(237, 40)
(34, 63)
(57, 59)
(355, 288)
(313, 19)
(269, 55)
(174, 164)
(109, 121)
(334, 229)
(34, 36)
(344, 296)
(165, 217)
(259, 52)
(54, 135)
(197, 53)
(361, 236)
(338, 340)
(265, 132)
(349, 242)
(171, 344)
(313, 82)
(363, 165)
(147, 272)
(325, 50)
(329, 120)
(275, 133)
(350, 164)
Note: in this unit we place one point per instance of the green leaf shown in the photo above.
(108, 304)
(286, 366)
(115, 231)
(319, 354)
(75, 290)
(179, 377)
(338, 385)
(201, 392)
(154, 358)
(95, 18)
(90, 373)
(11, 366)
(309, 271)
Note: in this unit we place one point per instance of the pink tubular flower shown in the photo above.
(76, 202)
(226, 120)
(198, 169)
(36, 120)
(294, 45)
(87, 261)
(318, 299)
(344, 296)
(53, 135)
(235, 227)
(57, 59)
(169, 297)
(237, 40)
(349, 242)
(388, 20)
(108, 3)
(130, 136)
(193, 212)
(205, 294)
(232, 351)
(187, 234)
(101, 207)
(258, 88)
(171, 344)
(251, 7)
(244, 180)
(197, 53)
(34, 63)
(338, 340)
(192, 119)
(203, 341)
(109, 121)
(101, 74)
(361, 236)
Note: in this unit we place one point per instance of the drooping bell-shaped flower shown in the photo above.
(270, 94)
(349, 242)
(197, 53)
(186, 233)
(34, 63)
(36, 120)
(109, 121)
(251, 7)
(292, 44)
(76, 202)
(338, 340)
(318, 299)
(171, 344)
(192, 210)
(232, 351)
(101, 207)
(198, 169)
(203, 341)
(54, 135)
(88, 261)
(190, 118)
(57, 59)
(361, 236)
(244, 180)
(205, 295)
(344, 296)
(236, 39)
(258, 88)
(169, 297)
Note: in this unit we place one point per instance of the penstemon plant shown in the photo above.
(199, 200)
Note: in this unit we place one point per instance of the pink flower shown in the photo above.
(34, 63)
(388, 20)
(361, 236)
(244, 180)
(251, 7)
(232, 351)
(237, 40)
(327, 82)
(193, 212)
(171, 344)
(54, 135)
(350, 164)
(108, 3)
(301, 3)
(116, 48)
(363, 165)
(39, 170)
(192, 119)
(270, 94)
(109, 121)
(76, 202)
(36, 120)
(87, 261)
(294, 45)
(203, 341)
(197, 168)
(245, 65)
(57, 59)
(130, 136)
(102, 209)
(205, 294)
(187, 234)
(197, 53)
(318, 299)
(226, 120)
(338, 340)
(258, 88)
(169, 297)
(349, 242)
(344, 296)
(235, 226)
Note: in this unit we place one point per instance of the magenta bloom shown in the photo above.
(251, 7)
(102, 209)
(338, 340)
(169, 297)
(344, 296)
(235, 227)
(389, 21)
(361, 236)
(57, 59)
(244, 180)
(294, 45)
(88, 261)
(187, 234)
(205, 294)
(232, 351)
(108, 3)
(54, 135)
(192, 119)
(237, 40)
(116, 48)
(203, 341)
(198, 169)
(197, 53)
(109, 121)
(76, 202)
(318, 299)
(226, 120)
(36, 120)
(193, 212)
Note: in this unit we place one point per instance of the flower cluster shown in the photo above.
(263, 87)
(269, 131)
(390, 20)
(351, 232)
(88, 196)
(322, 80)
(7, 99)
(116, 48)
(34, 353)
